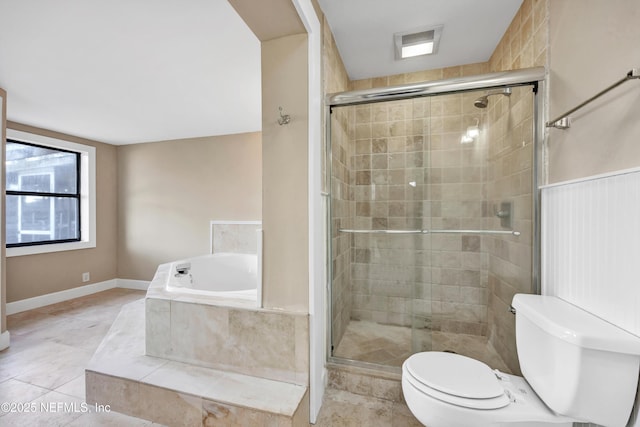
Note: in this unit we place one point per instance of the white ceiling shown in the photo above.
(364, 31)
(129, 71)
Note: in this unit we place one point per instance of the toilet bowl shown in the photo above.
(581, 367)
(451, 390)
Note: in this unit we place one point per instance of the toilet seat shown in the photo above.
(455, 379)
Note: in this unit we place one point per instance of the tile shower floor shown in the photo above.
(390, 345)
(50, 346)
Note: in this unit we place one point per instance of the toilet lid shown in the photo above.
(457, 379)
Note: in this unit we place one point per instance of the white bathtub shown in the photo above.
(227, 276)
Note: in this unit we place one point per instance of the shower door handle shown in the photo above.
(512, 232)
(349, 230)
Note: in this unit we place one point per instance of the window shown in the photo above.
(43, 195)
(50, 194)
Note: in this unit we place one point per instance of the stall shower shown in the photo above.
(432, 219)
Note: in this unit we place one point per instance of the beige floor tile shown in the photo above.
(50, 348)
(75, 332)
(14, 392)
(375, 343)
(50, 410)
(344, 409)
(402, 416)
(56, 369)
(75, 387)
(17, 362)
(28, 321)
(102, 314)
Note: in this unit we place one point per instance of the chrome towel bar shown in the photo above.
(564, 122)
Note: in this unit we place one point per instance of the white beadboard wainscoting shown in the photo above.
(591, 249)
(591, 245)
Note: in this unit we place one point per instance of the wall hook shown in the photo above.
(284, 118)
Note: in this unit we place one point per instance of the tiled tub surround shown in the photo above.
(226, 334)
(41, 344)
(203, 360)
(238, 237)
(262, 343)
(175, 393)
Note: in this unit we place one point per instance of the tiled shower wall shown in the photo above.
(509, 180)
(523, 45)
(459, 258)
(335, 79)
(388, 271)
(342, 214)
(457, 176)
(412, 172)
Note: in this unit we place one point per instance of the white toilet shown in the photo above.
(578, 368)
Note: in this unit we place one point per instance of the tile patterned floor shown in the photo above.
(343, 409)
(44, 369)
(390, 345)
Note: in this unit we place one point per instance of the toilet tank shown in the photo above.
(580, 365)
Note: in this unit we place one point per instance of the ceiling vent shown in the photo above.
(417, 43)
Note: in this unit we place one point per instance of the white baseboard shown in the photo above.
(141, 285)
(81, 291)
(4, 340)
(52, 298)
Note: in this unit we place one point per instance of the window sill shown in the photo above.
(43, 249)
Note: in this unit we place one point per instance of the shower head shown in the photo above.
(483, 101)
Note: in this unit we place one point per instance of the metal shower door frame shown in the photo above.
(535, 77)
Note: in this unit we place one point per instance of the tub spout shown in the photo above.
(182, 269)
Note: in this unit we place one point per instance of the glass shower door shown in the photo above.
(379, 150)
(454, 179)
(479, 178)
(425, 196)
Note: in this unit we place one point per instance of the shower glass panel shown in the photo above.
(425, 193)
(380, 277)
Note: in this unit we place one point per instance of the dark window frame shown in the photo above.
(52, 195)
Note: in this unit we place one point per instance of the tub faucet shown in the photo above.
(182, 269)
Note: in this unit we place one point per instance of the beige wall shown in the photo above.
(168, 192)
(269, 20)
(33, 275)
(592, 45)
(284, 178)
